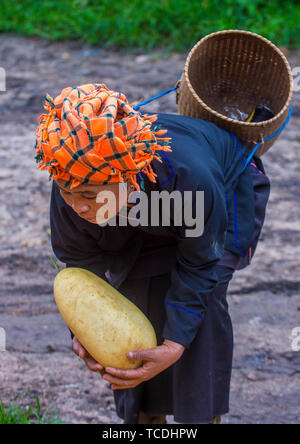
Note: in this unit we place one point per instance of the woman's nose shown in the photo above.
(79, 207)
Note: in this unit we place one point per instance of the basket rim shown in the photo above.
(222, 116)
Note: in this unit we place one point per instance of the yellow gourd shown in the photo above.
(105, 322)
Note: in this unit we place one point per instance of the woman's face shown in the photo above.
(83, 198)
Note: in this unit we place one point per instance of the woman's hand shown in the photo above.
(80, 351)
(155, 360)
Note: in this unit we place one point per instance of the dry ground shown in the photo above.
(264, 298)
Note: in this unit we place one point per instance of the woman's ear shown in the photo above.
(130, 187)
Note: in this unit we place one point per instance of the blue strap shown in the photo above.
(137, 107)
(267, 138)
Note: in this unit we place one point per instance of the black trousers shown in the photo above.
(196, 388)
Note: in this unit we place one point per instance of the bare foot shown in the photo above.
(144, 418)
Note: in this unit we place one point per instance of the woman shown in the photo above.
(92, 140)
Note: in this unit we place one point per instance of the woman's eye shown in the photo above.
(64, 193)
(68, 194)
(89, 197)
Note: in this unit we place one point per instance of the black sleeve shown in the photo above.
(194, 277)
(71, 243)
(70, 239)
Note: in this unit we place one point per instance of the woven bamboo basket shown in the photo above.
(233, 72)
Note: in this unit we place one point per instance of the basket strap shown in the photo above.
(267, 138)
(137, 107)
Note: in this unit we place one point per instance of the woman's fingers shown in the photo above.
(77, 348)
(120, 387)
(120, 382)
(82, 353)
(88, 359)
(137, 373)
(92, 364)
(142, 355)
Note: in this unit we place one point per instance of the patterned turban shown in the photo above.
(92, 135)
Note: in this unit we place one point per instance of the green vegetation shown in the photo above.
(135, 24)
(15, 414)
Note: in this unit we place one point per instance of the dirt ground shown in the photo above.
(264, 298)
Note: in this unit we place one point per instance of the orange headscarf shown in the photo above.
(92, 135)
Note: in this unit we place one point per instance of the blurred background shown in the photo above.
(139, 48)
(132, 24)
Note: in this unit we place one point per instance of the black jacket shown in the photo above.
(204, 158)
